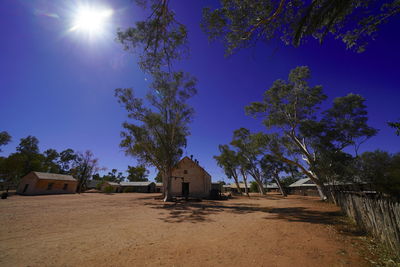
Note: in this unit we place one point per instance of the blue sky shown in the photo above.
(59, 86)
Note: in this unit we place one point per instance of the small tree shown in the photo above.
(137, 174)
(396, 126)
(250, 148)
(228, 160)
(67, 160)
(158, 132)
(5, 138)
(272, 167)
(84, 167)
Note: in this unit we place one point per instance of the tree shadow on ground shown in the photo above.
(200, 212)
(300, 214)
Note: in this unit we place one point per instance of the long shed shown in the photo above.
(42, 183)
(138, 187)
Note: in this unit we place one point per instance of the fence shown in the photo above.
(376, 215)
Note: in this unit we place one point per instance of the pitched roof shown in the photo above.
(303, 182)
(272, 186)
(198, 165)
(112, 183)
(135, 183)
(54, 176)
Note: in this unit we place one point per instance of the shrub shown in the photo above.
(108, 189)
(254, 187)
(129, 190)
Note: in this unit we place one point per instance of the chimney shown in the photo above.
(191, 157)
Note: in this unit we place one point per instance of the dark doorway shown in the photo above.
(25, 188)
(185, 189)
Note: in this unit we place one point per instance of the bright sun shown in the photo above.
(91, 20)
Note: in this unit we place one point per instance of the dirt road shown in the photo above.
(137, 230)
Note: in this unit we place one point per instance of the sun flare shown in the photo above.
(92, 21)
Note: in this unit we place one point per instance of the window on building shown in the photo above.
(50, 186)
(184, 171)
(65, 186)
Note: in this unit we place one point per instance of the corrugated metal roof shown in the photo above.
(112, 183)
(272, 186)
(135, 183)
(303, 182)
(54, 176)
(242, 185)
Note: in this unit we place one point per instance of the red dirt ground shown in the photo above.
(137, 230)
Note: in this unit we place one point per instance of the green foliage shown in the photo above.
(157, 133)
(160, 38)
(84, 167)
(307, 138)
(99, 185)
(66, 160)
(254, 187)
(28, 145)
(396, 126)
(158, 178)
(241, 23)
(288, 180)
(382, 170)
(228, 161)
(108, 189)
(137, 174)
(5, 138)
(128, 190)
(113, 176)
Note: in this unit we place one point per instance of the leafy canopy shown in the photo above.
(157, 133)
(242, 23)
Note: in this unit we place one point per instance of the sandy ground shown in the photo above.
(138, 230)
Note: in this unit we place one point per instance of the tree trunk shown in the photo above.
(167, 177)
(238, 186)
(246, 188)
(311, 175)
(321, 191)
(278, 182)
(260, 187)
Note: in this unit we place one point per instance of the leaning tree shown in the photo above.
(315, 138)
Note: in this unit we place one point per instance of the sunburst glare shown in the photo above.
(91, 21)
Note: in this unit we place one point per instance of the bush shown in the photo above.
(129, 190)
(108, 189)
(254, 187)
(99, 185)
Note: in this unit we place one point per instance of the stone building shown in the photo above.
(41, 183)
(189, 179)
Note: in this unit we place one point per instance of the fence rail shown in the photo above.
(376, 215)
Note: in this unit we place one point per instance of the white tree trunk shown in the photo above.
(278, 183)
(167, 186)
(321, 192)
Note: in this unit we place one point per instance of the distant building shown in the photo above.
(189, 179)
(138, 187)
(159, 187)
(41, 183)
(272, 187)
(116, 187)
(93, 184)
(304, 187)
